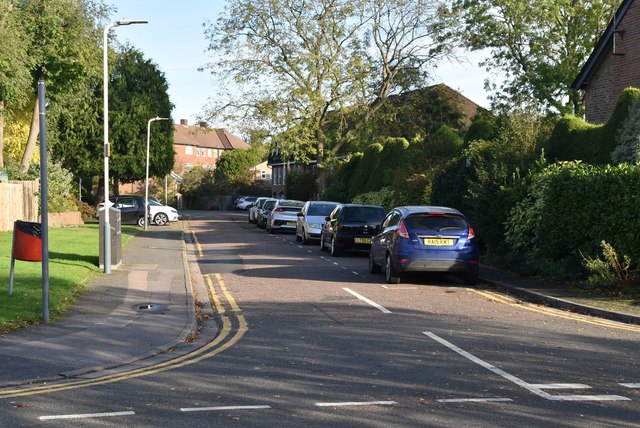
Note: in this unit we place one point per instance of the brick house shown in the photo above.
(200, 145)
(613, 65)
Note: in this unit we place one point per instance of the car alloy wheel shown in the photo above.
(141, 222)
(322, 247)
(392, 276)
(161, 219)
(304, 238)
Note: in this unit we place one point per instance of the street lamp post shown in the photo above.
(146, 179)
(105, 96)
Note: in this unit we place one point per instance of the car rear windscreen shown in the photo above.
(438, 223)
(363, 215)
(321, 210)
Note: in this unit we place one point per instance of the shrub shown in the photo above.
(628, 148)
(571, 207)
(382, 197)
(609, 271)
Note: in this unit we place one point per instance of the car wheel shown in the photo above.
(373, 266)
(141, 222)
(161, 219)
(335, 252)
(322, 247)
(303, 238)
(298, 238)
(470, 278)
(392, 276)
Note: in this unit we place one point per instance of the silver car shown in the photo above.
(283, 215)
(311, 219)
(255, 209)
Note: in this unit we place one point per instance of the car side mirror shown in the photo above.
(327, 218)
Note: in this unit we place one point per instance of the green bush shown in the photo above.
(571, 207)
(610, 273)
(628, 140)
(575, 139)
(481, 129)
(382, 197)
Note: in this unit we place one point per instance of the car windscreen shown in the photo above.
(363, 215)
(269, 204)
(321, 210)
(437, 223)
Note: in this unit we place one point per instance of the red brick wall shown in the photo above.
(182, 158)
(615, 72)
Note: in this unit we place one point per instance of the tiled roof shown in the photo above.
(199, 136)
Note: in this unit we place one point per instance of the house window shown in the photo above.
(210, 152)
(188, 150)
(197, 151)
(263, 174)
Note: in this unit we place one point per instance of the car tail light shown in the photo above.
(278, 210)
(402, 230)
(472, 233)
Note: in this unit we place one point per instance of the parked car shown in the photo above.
(131, 208)
(283, 215)
(311, 219)
(255, 208)
(425, 239)
(263, 213)
(161, 214)
(350, 227)
(244, 202)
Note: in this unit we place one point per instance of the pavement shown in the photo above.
(143, 313)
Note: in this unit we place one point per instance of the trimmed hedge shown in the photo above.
(571, 207)
(575, 139)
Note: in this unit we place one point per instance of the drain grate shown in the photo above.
(154, 308)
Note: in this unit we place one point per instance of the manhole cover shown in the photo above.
(154, 308)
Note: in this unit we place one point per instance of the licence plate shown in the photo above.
(291, 223)
(438, 242)
(362, 240)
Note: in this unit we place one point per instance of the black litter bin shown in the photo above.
(27, 241)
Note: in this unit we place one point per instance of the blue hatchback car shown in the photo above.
(424, 239)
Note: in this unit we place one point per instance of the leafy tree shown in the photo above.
(14, 64)
(197, 182)
(234, 166)
(138, 91)
(538, 47)
(64, 50)
(302, 65)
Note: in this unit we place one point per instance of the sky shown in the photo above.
(174, 40)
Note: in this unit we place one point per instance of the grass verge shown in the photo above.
(73, 262)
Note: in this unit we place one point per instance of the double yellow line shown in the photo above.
(234, 326)
(555, 312)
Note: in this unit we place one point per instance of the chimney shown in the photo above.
(203, 124)
(184, 122)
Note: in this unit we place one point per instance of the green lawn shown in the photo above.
(73, 262)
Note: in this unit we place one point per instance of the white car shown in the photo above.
(161, 214)
(283, 215)
(246, 202)
(311, 219)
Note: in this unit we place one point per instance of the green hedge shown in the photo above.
(575, 139)
(571, 207)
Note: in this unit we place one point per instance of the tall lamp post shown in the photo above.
(146, 178)
(105, 96)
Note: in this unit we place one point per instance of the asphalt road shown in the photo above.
(311, 340)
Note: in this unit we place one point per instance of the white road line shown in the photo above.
(354, 272)
(391, 287)
(474, 400)
(530, 387)
(357, 403)
(308, 251)
(205, 409)
(335, 263)
(85, 415)
(371, 302)
(630, 385)
(560, 385)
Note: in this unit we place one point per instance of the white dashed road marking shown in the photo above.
(474, 400)
(371, 302)
(208, 409)
(630, 385)
(357, 403)
(85, 416)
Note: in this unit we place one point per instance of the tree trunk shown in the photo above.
(33, 137)
(321, 177)
(1, 133)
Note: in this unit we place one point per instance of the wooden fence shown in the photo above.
(18, 201)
